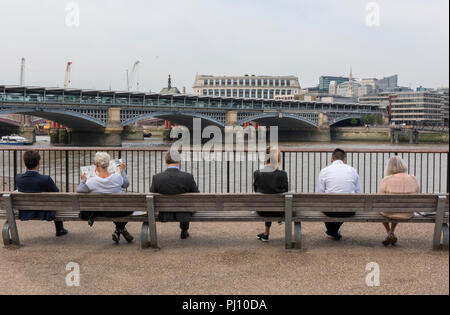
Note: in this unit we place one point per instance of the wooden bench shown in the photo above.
(228, 208)
(310, 208)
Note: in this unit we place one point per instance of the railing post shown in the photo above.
(15, 168)
(67, 171)
(228, 176)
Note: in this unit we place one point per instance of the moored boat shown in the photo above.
(15, 140)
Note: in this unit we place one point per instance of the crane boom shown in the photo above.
(67, 77)
(133, 76)
(22, 73)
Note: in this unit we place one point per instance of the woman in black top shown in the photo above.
(271, 180)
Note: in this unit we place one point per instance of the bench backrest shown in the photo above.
(364, 203)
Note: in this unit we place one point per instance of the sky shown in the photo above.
(306, 38)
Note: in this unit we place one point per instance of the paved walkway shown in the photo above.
(223, 259)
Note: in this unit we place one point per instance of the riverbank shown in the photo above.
(382, 135)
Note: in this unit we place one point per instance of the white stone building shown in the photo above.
(248, 86)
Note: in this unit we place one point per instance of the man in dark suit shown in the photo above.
(33, 182)
(174, 182)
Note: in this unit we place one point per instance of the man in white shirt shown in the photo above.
(338, 178)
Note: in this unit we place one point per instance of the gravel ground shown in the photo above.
(223, 258)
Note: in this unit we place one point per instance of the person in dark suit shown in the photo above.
(33, 182)
(174, 182)
(270, 180)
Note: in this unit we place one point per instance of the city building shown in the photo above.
(324, 82)
(383, 100)
(348, 89)
(260, 87)
(169, 89)
(445, 104)
(387, 83)
(417, 108)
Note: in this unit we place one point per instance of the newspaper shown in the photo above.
(91, 171)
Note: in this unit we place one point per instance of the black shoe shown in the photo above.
(336, 235)
(61, 232)
(116, 236)
(128, 237)
(263, 237)
(184, 235)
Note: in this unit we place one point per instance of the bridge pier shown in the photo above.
(133, 132)
(27, 129)
(395, 133)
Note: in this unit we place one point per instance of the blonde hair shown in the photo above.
(395, 166)
(273, 157)
(102, 159)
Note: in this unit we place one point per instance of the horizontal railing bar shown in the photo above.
(163, 149)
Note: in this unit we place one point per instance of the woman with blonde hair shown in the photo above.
(397, 181)
(270, 180)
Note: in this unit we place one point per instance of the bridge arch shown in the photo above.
(180, 118)
(335, 121)
(272, 119)
(69, 118)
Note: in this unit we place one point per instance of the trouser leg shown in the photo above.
(333, 227)
(59, 225)
(268, 224)
(120, 225)
(184, 226)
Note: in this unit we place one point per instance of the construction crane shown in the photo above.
(133, 76)
(22, 73)
(67, 77)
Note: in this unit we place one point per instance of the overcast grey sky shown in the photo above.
(308, 38)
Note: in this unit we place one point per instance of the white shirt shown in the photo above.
(338, 178)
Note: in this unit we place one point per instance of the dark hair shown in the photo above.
(31, 159)
(339, 154)
(169, 159)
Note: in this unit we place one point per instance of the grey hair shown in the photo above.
(395, 166)
(102, 159)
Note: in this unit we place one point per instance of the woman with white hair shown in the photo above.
(106, 183)
(397, 181)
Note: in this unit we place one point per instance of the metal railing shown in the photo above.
(234, 173)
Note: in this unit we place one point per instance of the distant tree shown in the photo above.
(354, 122)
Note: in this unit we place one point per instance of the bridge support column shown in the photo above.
(232, 118)
(28, 132)
(113, 132)
(27, 129)
(133, 132)
(324, 132)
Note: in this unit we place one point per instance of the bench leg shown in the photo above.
(144, 236)
(298, 235)
(11, 218)
(5, 233)
(445, 234)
